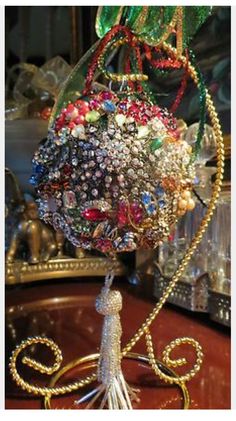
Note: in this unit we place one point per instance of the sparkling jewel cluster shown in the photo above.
(113, 173)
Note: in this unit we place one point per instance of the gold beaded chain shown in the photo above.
(144, 329)
(119, 77)
(207, 217)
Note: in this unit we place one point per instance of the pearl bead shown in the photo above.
(182, 204)
(181, 212)
(190, 204)
(186, 194)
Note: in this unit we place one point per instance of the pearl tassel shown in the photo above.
(117, 393)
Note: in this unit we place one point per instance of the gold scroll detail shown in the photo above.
(174, 363)
(38, 390)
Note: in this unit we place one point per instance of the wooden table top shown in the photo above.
(64, 311)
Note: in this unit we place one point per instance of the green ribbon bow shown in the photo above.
(152, 23)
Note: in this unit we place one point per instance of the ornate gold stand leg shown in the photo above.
(130, 356)
(89, 361)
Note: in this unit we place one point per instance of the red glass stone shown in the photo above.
(83, 106)
(136, 212)
(122, 214)
(94, 215)
(67, 170)
(103, 245)
(94, 104)
(60, 122)
(106, 95)
(61, 119)
(155, 110)
(80, 119)
(171, 237)
(45, 113)
(66, 184)
(70, 108)
(55, 186)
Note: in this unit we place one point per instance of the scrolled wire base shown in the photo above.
(131, 356)
(162, 370)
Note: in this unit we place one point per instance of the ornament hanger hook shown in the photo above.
(109, 279)
(110, 85)
(122, 84)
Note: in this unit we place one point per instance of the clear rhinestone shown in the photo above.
(131, 172)
(108, 179)
(94, 192)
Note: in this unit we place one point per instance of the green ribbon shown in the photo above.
(151, 22)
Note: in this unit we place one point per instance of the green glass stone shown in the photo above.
(92, 116)
(156, 144)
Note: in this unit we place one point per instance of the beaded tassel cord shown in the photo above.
(117, 394)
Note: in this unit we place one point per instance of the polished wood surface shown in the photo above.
(65, 312)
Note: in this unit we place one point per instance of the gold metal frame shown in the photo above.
(58, 268)
(131, 356)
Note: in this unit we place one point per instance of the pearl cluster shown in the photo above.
(113, 173)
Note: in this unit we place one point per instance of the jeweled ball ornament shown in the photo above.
(113, 174)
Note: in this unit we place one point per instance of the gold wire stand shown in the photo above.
(131, 356)
(143, 330)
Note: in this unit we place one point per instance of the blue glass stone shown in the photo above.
(33, 180)
(196, 180)
(151, 209)
(146, 198)
(161, 203)
(109, 107)
(87, 146)
(65, 153)
(122, 106)
(39, 169)
(62, 140)
(159, 191)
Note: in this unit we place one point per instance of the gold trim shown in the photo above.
(141, 19)
(179, 30)
(21, 272)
